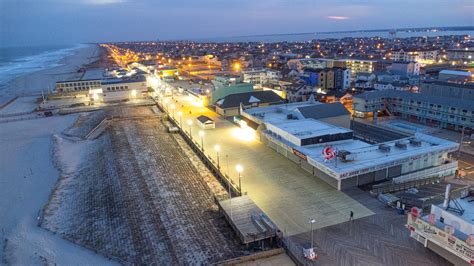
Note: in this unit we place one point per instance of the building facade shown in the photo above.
(450, 113)
(448, 89)
(330, 152)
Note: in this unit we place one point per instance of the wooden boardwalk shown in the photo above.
(248, 221)
(380, 239)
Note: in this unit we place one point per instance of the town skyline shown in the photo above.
(63, 22)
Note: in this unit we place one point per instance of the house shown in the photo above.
(205, 122)
(230, 104)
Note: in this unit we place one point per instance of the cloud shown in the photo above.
(103, 2)
(337, 17)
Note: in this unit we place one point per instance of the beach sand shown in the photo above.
(44, 80)
(28, 174)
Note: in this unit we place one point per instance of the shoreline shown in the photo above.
(42, 81)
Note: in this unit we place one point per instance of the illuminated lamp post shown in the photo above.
(217, 148)
(172, 110)
(312, 221)
(190, 123)
(201, 135)
(180, 114)
(239, 170)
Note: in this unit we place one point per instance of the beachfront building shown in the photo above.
(121, 89)
(228, 84)
(93, 85)
(311, 137)
(89, 80)
(448, 229)
(444, 112)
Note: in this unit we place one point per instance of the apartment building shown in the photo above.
(444, 112)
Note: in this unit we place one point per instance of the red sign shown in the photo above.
(300, 154)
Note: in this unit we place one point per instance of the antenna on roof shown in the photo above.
(447, 200)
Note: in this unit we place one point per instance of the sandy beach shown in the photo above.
(44, 80)
(28, 173)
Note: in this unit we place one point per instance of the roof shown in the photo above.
(138, 78)
(247, 98)
(449, 84)
(203, 119)
(455, 72)
(320, 111)
(422, 97)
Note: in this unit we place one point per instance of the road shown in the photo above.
(466, 165)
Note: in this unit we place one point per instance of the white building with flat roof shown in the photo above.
(303, 139)
(447, 230)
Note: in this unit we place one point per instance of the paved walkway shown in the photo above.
(284, 191)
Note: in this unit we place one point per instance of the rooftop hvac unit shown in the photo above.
(346, 155)
(384, 147)
(401, 144)
(415, 142)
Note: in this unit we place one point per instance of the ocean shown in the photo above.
(18, 61)
(302, 37)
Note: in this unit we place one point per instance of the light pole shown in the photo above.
(239, 169)
(166, 101)
(172, 110)
(180, 114)
(201, 135)
(217, 148)
(190, 123)
(312, 221)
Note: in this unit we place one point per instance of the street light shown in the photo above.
(172, 109)
(190, 123)
(239, 169)
(217, 148)
(312, 221)
(180, 114)
(201, 135)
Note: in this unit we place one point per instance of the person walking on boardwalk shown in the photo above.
(352, 216)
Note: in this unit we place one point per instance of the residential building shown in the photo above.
(309, 63)
(228, 84)
(230, 105)
(455, 75)
(454, 90)
(461, 55)
(328, 78)
(405, 68)
(443, 112)
(422, 56)
(357, 66)
(261, 76)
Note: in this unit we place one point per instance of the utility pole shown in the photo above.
(462, 140)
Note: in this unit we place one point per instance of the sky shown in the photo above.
(45, 22)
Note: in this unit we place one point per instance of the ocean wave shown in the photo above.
(28, 64)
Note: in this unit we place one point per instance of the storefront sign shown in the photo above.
(300, 154)
(442, 237)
